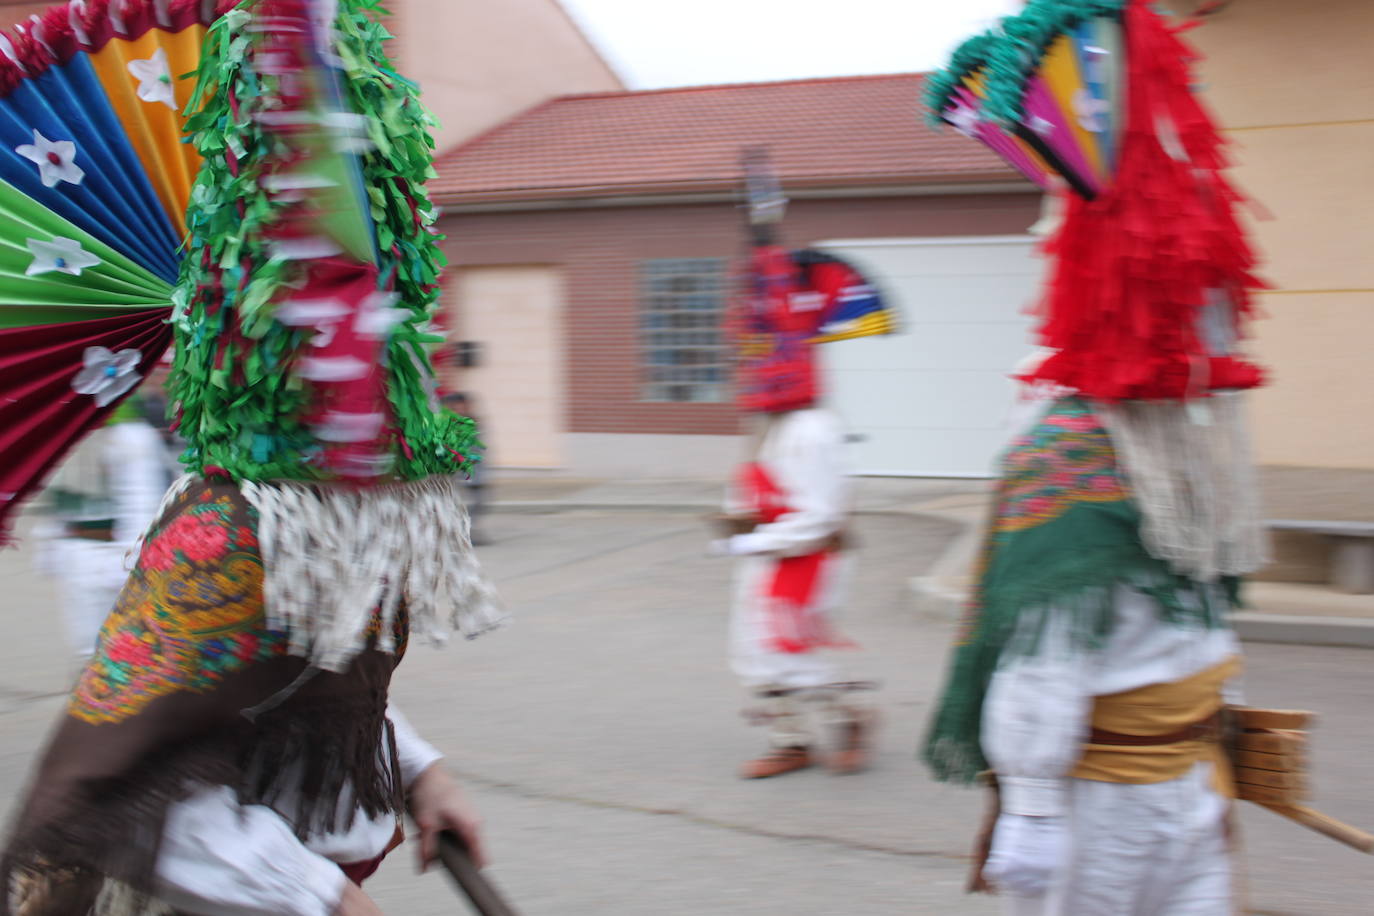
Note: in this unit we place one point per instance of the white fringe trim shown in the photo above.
(1193, 478)
(118, 899)
(333, 554)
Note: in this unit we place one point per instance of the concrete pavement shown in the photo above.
(1277, 611)
(599, 734)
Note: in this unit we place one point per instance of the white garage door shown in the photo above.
(933, 399)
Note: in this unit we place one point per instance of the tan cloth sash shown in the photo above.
(1159, 709)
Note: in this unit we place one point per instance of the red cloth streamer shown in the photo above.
(1134, 268)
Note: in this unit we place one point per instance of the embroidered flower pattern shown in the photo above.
(56, 159)
(61, 255)
(196, 539)
(106, 375)
(1067, 459)
(154, 77)
(190, 614)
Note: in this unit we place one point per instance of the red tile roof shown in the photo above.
(822, 133)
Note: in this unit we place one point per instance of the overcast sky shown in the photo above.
(657, 43)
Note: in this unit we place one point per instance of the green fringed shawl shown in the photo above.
(240, 408)
(1064, 535)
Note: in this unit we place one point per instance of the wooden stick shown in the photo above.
(1279, 763)
(1271, 742)
(1329, 826)
(1294, 780)
(982, 845)
(1248, 717)
(453, 853)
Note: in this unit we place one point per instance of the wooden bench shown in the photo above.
(1352, 550)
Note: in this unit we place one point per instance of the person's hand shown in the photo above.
(355, 902)
(438, 804)
(738, 545)
(1026, 851)
(720, 547)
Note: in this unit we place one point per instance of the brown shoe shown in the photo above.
(776, 762)
(855, 735)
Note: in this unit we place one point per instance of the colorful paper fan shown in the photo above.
(793, 300)
(1045, 90)
(95, 181)
(851, 306)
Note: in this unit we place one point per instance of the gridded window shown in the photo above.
(685, 356)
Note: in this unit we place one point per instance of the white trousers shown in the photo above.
(90, 575)
(758, 665)
(1152, 850)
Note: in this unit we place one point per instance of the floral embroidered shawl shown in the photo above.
(180, 692)
(1065, 532)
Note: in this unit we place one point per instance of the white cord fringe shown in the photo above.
(1193, 479)
(334, 554)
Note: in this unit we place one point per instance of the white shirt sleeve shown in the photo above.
(415, 753)
(220, 858)
(1036, 716)
(806, 456)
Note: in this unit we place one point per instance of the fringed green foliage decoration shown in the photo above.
(240, 407)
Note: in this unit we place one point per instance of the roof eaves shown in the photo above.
(796, 186)
(499, 127)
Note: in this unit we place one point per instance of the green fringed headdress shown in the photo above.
(301, 371)
(304, 225)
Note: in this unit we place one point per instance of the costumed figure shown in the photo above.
(1095, 659)
(230, 747)
(101, 500)
(788, 509)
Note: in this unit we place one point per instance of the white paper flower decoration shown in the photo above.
(56, 159)
(154, 77)
(62, 255)
(965, 120)
(106, 374)
(1091, 111)
(1040, 125)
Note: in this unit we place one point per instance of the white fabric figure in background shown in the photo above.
(789, 506)
(102, 499)
(789, 583)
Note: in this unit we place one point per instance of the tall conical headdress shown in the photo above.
(1151, 278)
(790, 301)
(287, 245)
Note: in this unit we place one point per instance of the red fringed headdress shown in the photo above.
(1151, 277)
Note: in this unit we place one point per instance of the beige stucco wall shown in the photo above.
(478, 62)
(519, 383)
(1293, 86)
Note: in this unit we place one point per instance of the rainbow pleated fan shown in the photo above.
(1045, 90)
(205, 165)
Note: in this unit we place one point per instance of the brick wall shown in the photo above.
(599, 251)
